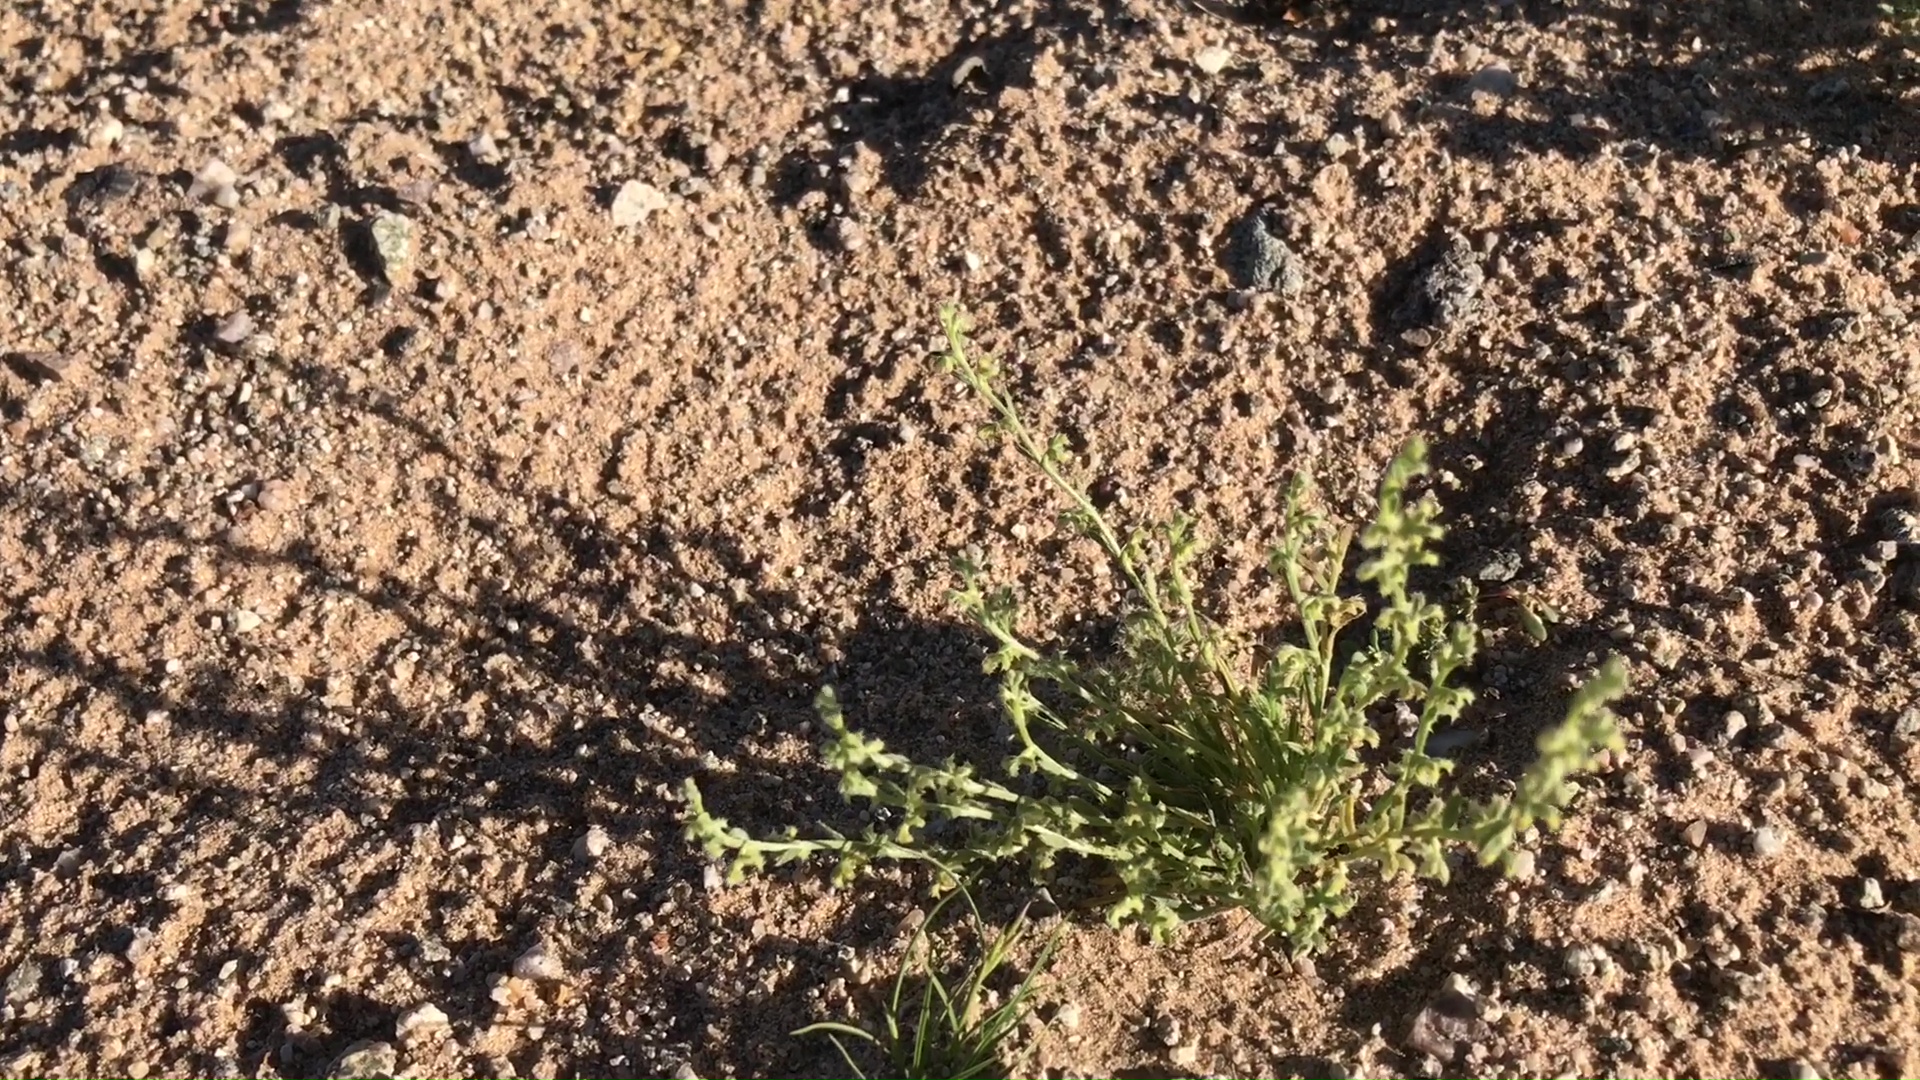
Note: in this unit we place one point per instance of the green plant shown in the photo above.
(957, 1032)
(1206, 782)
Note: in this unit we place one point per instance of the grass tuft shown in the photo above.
(1204, 781)
(948, 1030)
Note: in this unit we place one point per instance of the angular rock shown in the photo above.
(539, 965)
(1447, 291)
(366, 1060)
(40, 366)
(392, 243)
(635, 202)
(1447, 1026)
(420, 1021)
(213, 177)
(1259, 259)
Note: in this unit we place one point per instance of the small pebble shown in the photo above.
(1260, 260)
(212, 177)
(420, 1021)
(1212, 60)
(539, 965)
(635, 202)
(1494, 80)
(392, 242)
(366, 1060)
(849, 235)
(1168, 1030)
(1766, 842)
(273, 497)
(593, 845)
(234, 329)
(22, 983)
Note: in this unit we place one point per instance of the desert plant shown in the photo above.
(956, 1030)
(1206, 782)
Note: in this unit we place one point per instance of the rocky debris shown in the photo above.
(635, 202)
(1766, 842)
(367, 1059)
(1446, 292)
(1907, 724)
(1259, 259)
(1448, 1025)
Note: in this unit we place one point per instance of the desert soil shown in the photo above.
(433, 430)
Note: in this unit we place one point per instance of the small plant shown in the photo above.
(1203, 781)
(956, 1032)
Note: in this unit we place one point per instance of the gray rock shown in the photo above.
(1907, 724)
(1259, 259)
(1448, 1026)
(1446, 292)
(366, 1060)
(213, 177)
(393, 243)
(22, 983)
(539, 964)
(635, 202)
(1766, 842)
(848, 234)
(1502, 566)
(419, 1022)
(1494, 80)
(1168, 1030)
(592, 845)
(234, 329)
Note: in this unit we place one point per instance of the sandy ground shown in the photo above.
(435, 429)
